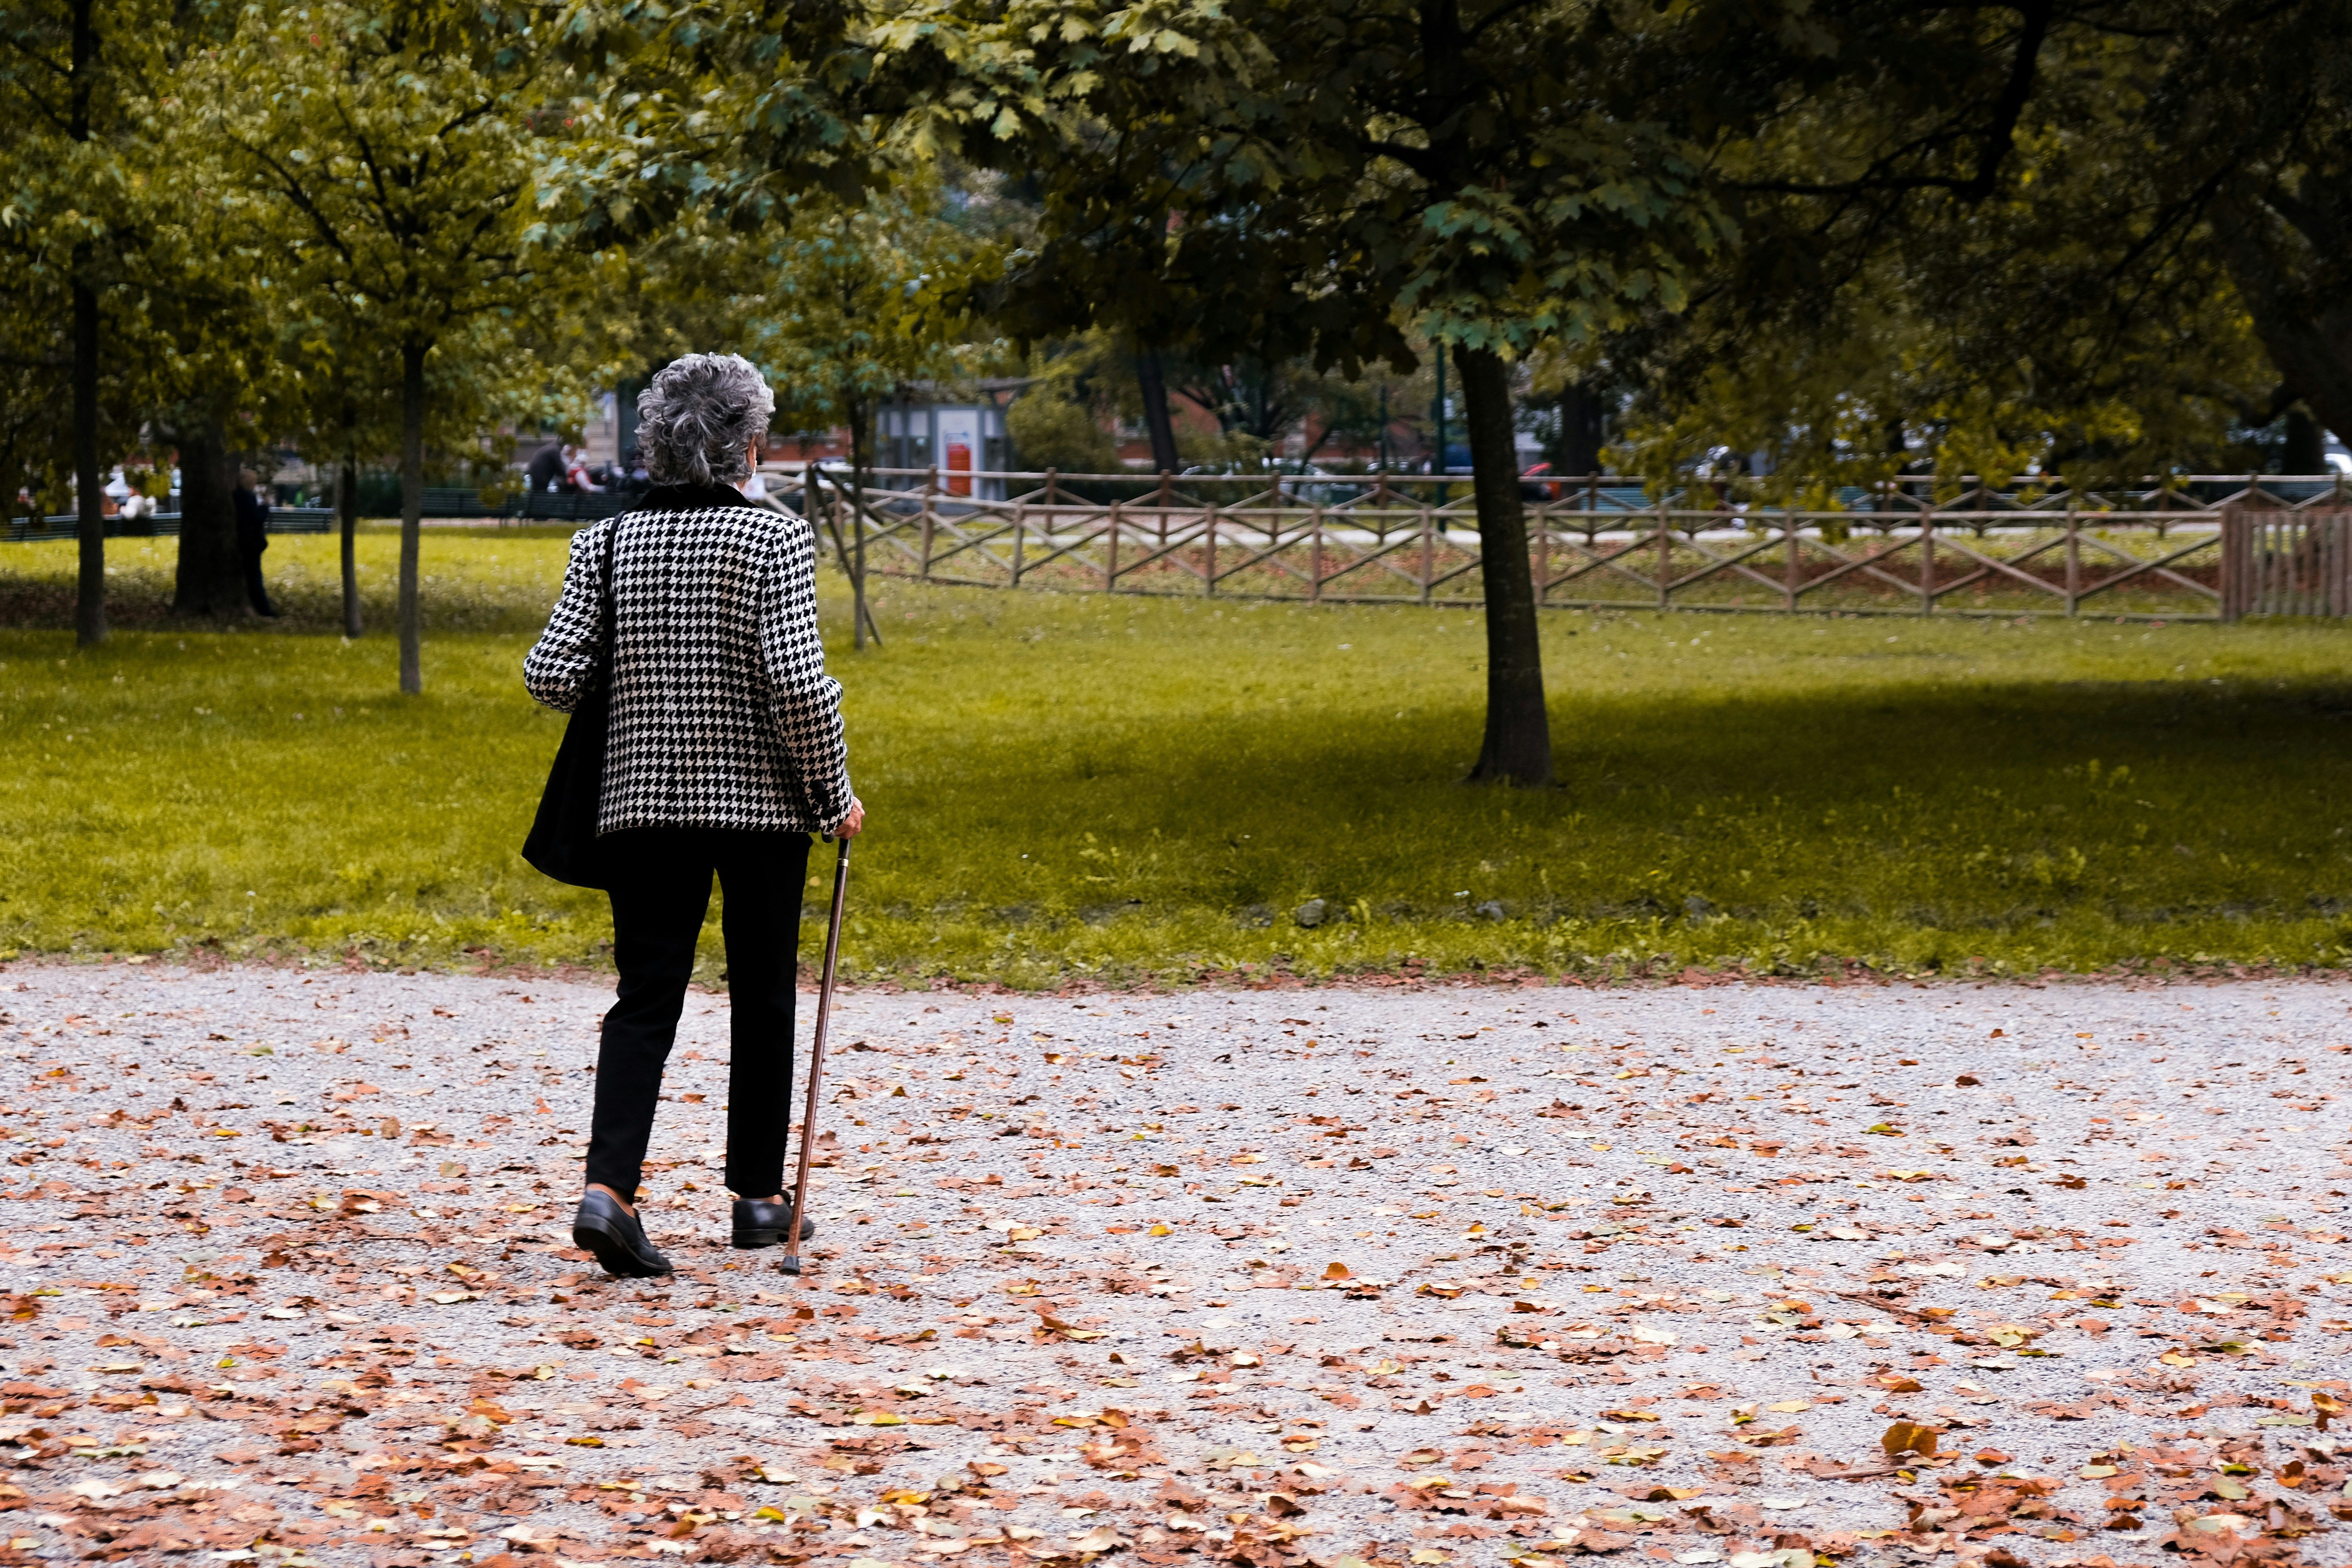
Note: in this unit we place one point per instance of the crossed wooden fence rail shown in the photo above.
(2207, 548)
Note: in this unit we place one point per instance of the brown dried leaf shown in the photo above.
(1909, 1437)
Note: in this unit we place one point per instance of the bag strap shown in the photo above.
(606, 613)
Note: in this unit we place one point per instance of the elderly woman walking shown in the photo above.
(725, 752)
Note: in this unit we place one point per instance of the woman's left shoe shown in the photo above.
(615, 1235)
(759, 1223)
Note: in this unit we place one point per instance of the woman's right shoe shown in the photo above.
(759, 1223)
(603, 1227)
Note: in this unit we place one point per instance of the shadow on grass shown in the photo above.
(1988, 806)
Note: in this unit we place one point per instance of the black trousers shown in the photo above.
(255, 589)
(660, 892)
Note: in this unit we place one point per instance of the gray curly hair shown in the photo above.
(698, 416)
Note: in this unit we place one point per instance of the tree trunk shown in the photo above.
(89, 522)
(2281, 272)
(411, 513)
(347, 507)
(210, 579)
(2305, 450)
(1581, 411)
(1518, 745)
(1156, 421)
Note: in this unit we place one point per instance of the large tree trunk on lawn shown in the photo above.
(1518, 747)
(2281, 269)
(411, 513)
(89, 522)
(347, 509)
(1162, 429)
(2304, 450)
(210, 580)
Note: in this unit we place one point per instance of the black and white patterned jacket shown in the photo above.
(722, 713)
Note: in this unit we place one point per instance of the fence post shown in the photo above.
(1315, 558)
(930, 495)
(1541, 566)
(1665, 551)
(1794, 570)
(1927, 562)
(1053, 487)
(2233, 566)
(1110, 561)
(863, 620)
(1428, 549)
(1209, 575)
(1019, 528)
(2073, 548)
(2338, 589)
(1165, 478)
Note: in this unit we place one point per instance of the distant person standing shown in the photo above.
(252, 538)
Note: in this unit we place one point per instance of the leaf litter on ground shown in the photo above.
(1339, 1278)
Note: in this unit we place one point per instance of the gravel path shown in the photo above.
(1407, 1275)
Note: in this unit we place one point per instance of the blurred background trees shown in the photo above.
(1817, 244)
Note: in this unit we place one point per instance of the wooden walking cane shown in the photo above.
(792, 1259)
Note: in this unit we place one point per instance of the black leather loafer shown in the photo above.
(603, 1227)
(759, 1223)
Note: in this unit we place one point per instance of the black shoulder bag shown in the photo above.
(562, 839)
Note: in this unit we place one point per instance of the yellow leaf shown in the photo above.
(1909, 1437)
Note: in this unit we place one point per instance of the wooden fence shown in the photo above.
(2204, 548)
(2286, 564)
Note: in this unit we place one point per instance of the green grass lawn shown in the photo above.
(1079, 787)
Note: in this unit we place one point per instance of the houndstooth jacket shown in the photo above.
(722, 713)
